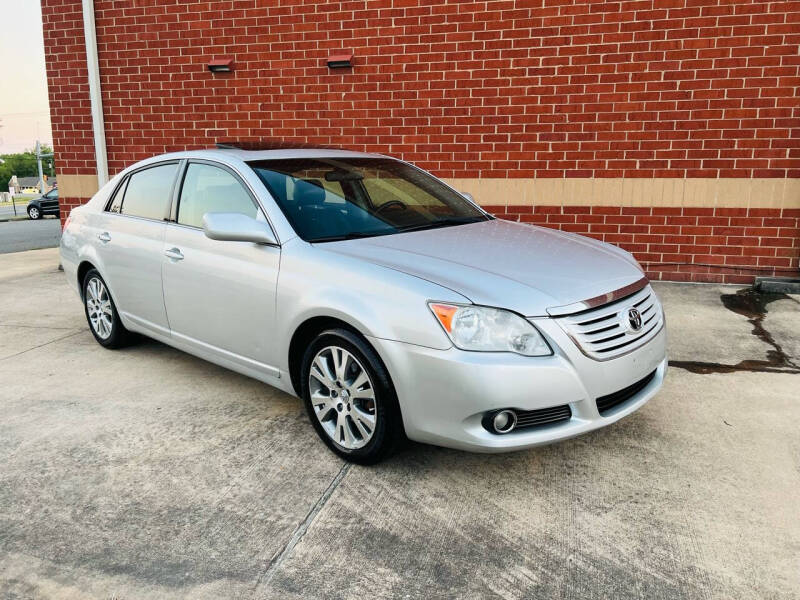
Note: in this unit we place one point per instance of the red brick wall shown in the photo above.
(634, 89)
(68, 90)
(722, 245)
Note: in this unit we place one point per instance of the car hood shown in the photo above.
(498, 263)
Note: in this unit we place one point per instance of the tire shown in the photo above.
(34, 213)
(347, 403)
(106, 327)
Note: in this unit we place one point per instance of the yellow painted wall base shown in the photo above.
(708, 193)
(77, 186)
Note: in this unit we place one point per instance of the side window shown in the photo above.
(116, 203)
(148, 192)
(210, 189)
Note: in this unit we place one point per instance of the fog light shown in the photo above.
(504, 421)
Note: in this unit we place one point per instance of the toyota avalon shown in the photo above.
(392, 304)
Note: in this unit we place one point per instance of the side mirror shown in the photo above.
(468, 196)
(236, 227)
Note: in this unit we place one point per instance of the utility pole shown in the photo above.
(39, 157)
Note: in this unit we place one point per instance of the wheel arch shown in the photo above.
(311, 328)
(302, 337)
(83, 268)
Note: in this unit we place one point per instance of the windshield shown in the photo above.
(329, 199)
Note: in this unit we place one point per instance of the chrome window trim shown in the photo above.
(128, 175)
(143, 219)
(576, 307)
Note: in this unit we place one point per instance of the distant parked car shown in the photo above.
(44, 205)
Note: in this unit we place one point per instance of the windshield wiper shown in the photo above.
(353, 235)
(442, 223)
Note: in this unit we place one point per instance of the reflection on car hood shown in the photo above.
(499, 263)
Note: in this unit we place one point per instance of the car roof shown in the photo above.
(252, 155)
(238, 154)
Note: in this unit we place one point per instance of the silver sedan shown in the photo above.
(392, 304)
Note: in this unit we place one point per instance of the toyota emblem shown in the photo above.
(634, 319)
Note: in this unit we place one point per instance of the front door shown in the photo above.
(219, 296)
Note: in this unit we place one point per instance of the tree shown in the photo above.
(23, 164)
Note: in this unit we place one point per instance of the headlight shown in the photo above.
(486, 329)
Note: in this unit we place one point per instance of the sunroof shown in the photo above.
(274, 145)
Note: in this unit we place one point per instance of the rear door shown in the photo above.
(130, 240)
(220, 296)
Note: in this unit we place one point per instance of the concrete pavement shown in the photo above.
(18, 236)
(147, 473)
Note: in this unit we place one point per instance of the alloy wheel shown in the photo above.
(33, 213)
(98, 307)
(343, 397)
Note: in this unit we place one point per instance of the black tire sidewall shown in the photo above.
(39, 214)
(388, 429)
(119, 335)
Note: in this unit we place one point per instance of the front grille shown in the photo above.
(606, 403)
(543, 416)
(603, 333)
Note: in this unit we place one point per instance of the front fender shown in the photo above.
(376, 301)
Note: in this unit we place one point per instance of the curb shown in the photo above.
(777, 285)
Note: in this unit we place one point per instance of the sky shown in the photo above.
(24, 109)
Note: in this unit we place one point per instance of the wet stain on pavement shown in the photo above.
(753, 305)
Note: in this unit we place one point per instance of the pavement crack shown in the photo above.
(279, 557)
(15, 325)
(58, 339)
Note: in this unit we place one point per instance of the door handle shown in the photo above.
(104, 237)
(174, 254)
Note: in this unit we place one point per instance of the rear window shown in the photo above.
(147, 193)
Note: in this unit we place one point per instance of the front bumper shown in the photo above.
(445, 393)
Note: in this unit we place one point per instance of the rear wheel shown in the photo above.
(34, 212)
(349, 397)
(102, 314)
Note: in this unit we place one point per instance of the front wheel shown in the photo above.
(350, 398)
(34, 213)
(102, 314)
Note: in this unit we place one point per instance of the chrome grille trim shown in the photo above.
(584, 305)
(603, 333)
